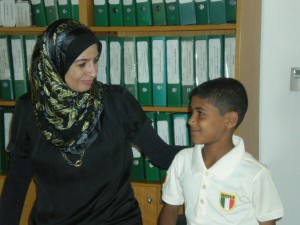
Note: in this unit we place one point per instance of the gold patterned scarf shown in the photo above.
(66, 118)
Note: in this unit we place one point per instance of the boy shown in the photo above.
(217, 181)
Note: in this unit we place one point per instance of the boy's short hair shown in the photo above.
(226, 94)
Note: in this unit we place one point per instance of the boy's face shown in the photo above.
(207, 125)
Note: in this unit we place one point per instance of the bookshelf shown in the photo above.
(247, 70)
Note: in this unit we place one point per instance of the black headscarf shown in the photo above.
(66, 118)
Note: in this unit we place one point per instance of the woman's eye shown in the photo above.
(81, 65)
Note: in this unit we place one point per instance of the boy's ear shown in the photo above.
(231, 119)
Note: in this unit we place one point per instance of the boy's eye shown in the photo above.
(201, 113)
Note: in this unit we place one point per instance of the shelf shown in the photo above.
(7, 103)
(21, 30)
(137, 31)
(145, 108)
(165, 109)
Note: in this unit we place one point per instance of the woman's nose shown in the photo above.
(92, 69)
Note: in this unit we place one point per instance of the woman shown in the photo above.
(74, 136)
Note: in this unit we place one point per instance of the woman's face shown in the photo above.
(83, 71)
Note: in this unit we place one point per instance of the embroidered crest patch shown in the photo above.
(227, 201)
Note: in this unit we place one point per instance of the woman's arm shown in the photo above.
(19, 171)
(14, 190)
(159, 152)
(141, 133)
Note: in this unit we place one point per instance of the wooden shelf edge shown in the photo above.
(165, 28)
(146, 183)
(165, 109)
(136, 29)
(145, 108)
(21, 30)
(7, 103)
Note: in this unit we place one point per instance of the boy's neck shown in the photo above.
(212, 153)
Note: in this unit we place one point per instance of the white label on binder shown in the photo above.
(143, 66)
(158, 61)
(214, 58)
(129, 62)
(201, 61)
(163, 130)
(187, 62)
(102, 64)
(173, 61)
(115, 67)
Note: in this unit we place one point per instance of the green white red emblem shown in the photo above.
(227, 201)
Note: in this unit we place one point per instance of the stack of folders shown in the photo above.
(163, 12)
(5, 119)
(161, 71)
(15, 13)
(173, 129)
(44, 12)
(15, 57)
(158, 71)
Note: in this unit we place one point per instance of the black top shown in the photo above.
(97, 193)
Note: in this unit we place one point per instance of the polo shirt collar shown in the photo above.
(225, 165)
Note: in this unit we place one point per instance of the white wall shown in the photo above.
(280, 108)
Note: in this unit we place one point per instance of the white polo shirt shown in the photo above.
(236, 190)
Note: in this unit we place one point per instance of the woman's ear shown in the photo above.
(231, 119)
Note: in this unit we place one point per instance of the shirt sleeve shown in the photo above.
(172, 190)
(19, 172)
(267, 203)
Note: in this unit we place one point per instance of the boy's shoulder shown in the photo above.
(252, 165)
(186, 153)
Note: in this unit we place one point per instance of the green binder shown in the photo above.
(172, 12)
(130, 65)
(215, 56)
(51, 8)
(129, 13)
(159, 12)
(75, 9)
(6, 69)
(115, 8)
(173, 71)
(159, 71)
(101, 17)
(103, 63)
(164, 127)
(230, 11)
(201, 59)
(64, 9)
(116, 60)
(217, 11)
(229, 55)
(152, 173)
(144, 68)
(137, 168)
(19, 65)
(187, 12)
(144, 13)
(202, 12)
(38, 13)
(187, 67)
(5, 120)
